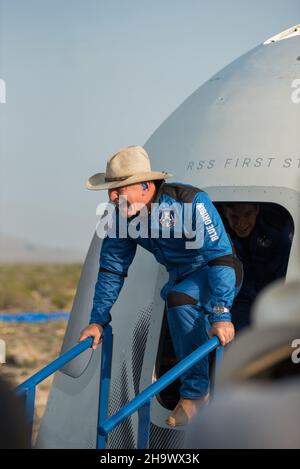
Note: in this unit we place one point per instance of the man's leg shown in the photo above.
(188, 331)
(187, 326)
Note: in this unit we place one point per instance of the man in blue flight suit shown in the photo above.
(204, 273)
(263, 245)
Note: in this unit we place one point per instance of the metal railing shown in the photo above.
(27, 390)
(140, 403)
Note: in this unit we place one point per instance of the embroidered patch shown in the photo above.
(167, 218)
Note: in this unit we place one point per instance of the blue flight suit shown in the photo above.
(205, 276)
(264, 254)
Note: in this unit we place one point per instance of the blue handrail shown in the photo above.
(141, 403)
(27, 389)
(54, 366)
(144, 397)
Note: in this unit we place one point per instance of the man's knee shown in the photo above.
(176, 298)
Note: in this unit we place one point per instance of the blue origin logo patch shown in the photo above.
(167, 218)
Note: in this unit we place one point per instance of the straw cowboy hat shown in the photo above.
(128, 165)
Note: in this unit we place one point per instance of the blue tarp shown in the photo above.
(29, 316)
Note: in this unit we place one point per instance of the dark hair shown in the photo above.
(158, 183)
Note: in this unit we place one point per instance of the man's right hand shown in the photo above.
(93, 330)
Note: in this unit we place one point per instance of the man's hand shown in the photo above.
(93, 330)
(223, 330)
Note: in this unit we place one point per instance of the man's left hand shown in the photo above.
(223, 330)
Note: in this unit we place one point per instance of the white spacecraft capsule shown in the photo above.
(236, 137)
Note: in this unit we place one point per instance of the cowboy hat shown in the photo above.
(129, 165)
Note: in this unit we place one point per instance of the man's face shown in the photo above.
(242, 218)
(129, 199)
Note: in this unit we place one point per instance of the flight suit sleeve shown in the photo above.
(222, 281)
(116, 256)
(224, 272)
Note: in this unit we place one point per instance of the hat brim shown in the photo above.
(97, 181)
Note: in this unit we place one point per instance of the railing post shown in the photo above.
(219, 358)
(105, 372)
(218, 361)
(29, 401)
(144, 426)
(26, 390)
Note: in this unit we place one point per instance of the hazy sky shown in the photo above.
(84, 77)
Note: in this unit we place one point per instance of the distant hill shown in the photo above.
(14, 250)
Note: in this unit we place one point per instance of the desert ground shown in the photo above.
(30, 346)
